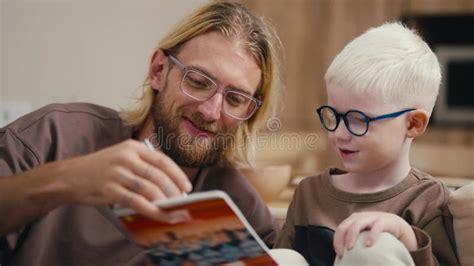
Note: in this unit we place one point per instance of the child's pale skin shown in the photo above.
(374, 222)
(377, 222)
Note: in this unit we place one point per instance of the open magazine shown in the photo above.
(203, 228)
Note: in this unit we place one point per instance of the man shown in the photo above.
(210, 85)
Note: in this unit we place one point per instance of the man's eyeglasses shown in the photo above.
(356, 121)
(236, 103)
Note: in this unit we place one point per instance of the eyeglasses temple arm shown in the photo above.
(391, 115)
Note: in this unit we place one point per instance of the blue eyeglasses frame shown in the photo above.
(367, 118)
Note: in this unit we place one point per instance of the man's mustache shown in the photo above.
(212, 127)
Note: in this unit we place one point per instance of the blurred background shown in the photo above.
(98, 51)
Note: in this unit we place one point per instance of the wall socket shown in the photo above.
(9, 111)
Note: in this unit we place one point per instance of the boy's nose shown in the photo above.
(211, 109)
(342, 132)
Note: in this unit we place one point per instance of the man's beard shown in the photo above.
(185, 149)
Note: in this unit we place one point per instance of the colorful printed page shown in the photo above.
(204, 228)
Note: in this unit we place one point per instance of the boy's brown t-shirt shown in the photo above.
(318, 207)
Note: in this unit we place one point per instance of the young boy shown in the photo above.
(379, 210)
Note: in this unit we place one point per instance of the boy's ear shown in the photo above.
(157, 70)
(417, 122)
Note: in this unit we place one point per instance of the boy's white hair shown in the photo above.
(391, 62)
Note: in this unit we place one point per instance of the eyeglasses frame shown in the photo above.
(367, 118)
(185, 69)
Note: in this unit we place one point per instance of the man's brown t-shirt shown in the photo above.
(84, 235)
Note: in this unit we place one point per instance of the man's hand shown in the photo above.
(375, 222)
(128, 173)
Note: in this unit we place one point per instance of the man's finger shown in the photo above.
(138, 203)
(169, 167)
(139, 185)
(158, 178)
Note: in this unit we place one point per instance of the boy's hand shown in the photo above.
(375, 222)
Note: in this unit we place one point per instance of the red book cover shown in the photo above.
(204, 228)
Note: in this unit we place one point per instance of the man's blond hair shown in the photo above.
(237, 23)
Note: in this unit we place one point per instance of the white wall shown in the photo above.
(79, 50)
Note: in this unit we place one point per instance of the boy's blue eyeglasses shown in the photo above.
(356, 121)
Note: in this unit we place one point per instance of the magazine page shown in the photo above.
(204, 228)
